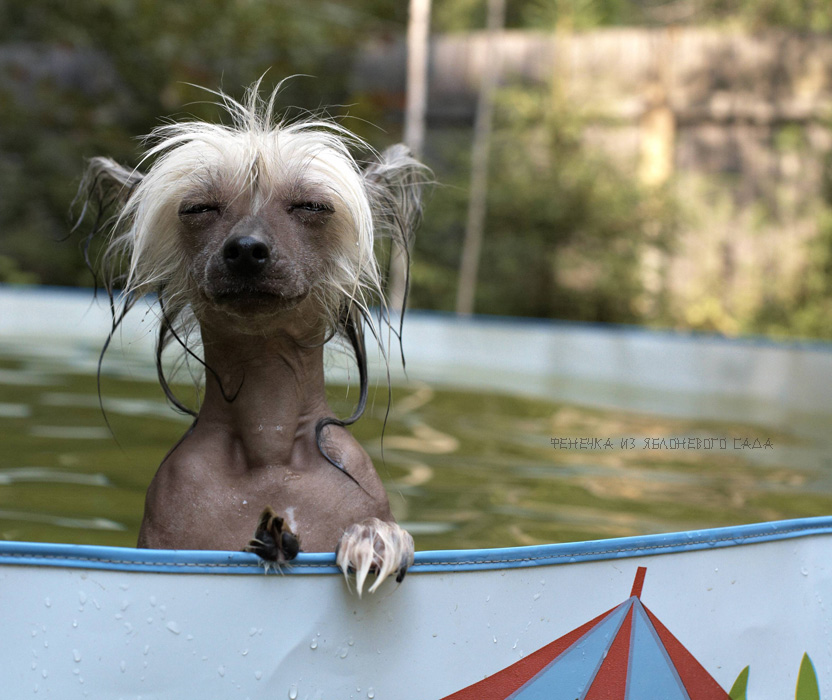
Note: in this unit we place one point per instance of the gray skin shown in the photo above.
(262, 335)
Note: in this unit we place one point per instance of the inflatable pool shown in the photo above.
(741, 612)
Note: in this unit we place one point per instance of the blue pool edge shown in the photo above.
(458, 560)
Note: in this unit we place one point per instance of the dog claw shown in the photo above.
(273, 541)
(376, 546)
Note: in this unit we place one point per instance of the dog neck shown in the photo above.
(264, 393)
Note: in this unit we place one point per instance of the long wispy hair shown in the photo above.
(377, 199)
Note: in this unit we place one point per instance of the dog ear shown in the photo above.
(108, 182)
(394, 185)
(105, 188)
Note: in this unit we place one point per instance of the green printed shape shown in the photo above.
(740, 686)
(807, 681)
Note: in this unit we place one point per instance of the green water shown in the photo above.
(463, 469)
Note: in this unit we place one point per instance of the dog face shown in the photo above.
(253, 219)
(253, 223)
(251, 259)
(262, 247)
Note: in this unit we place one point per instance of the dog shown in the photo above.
(258, 239)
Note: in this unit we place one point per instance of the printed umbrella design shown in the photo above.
(624, 654)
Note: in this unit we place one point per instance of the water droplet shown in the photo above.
(46, 645)
(352, 641)
(293, 692)
(124, 605)
(371, 693)
(149, 620)
(344, 653)
(76, 655)
(173, 627)
(189, 637)
(47, 602)
(76, 670)
(260, 427)
(244, 652)
(75, 623)
(252, 632)
(487, 598)
(536, 596)
(146, 649)
(245, 503)
(153, 600)
(82, 597)
(314, 644)
(258, 675)
(122, 666)
(221, 671)
(119, 616)
(34, 665)
(494, 639)
(123, 586)
(44, 673)
(804, 571)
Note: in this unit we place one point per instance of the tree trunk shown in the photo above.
(477, 202)
(418, 29)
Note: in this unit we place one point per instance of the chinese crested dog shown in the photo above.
(258, 239)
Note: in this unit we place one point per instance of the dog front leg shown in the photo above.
(374, 545)
(273, 541)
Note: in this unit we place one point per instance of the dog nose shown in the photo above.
(245, 255)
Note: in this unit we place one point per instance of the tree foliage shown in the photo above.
(565, 228)
(86, 78)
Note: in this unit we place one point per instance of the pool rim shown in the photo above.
(99, 557)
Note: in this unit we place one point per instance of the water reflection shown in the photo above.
(464, 469)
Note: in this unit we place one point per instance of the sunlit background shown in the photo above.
(656, 163)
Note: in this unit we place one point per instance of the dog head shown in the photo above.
(259, 218)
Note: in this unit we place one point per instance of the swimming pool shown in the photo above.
(504, 432)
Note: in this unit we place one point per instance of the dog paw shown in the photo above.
(273, 541)
(377, 546)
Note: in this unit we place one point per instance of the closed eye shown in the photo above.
(198, 208)
(316, 207)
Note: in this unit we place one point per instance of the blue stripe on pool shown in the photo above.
(190, 561)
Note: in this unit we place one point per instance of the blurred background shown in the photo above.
(655, 162)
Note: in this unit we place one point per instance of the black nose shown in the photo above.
(245, 255)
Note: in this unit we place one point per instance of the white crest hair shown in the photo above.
(257, 153)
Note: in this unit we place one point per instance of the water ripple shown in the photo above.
(47, 475)
(59, 521)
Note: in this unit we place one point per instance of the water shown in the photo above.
(463, 468)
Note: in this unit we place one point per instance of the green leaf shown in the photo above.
(807, 681)
(740, 686)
